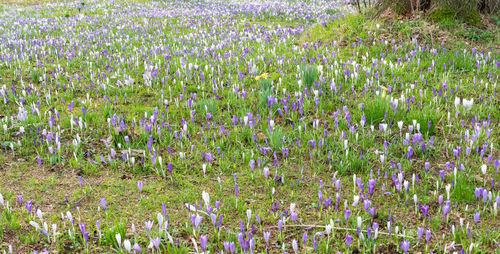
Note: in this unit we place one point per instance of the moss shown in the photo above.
(441, 14)
(445, 15)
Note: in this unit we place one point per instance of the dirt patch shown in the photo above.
(389, 249)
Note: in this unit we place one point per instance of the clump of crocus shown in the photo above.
(405, 246)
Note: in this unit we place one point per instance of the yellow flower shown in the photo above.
(384, 91)
(264, 75)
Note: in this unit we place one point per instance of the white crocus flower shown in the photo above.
(295, 246)
(119, 240)
(457, 102)
(127, 245)
(35, 225)
(468, 103)
(356, 200)
(483, 169)
(206, 197)
(249, 216)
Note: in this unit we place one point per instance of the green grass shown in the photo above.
(342, 30)
(322, 90)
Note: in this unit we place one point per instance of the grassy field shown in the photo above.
(247, 127)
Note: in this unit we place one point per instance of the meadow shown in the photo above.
(244, 127)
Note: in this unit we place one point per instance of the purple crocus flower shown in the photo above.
(20, 200)
(476, 217)
(366, 204)
(213, 217)
(266, 237)
(219, 222)
(265, 170)
(137, 248)
(348, 240)
(103, 203)
(196, 220)
(425, 210)
(164, 209)
(203, 242)
(478, 192)
(420, 232)
(85, 234)
(29, 205)
(232, 247)
(252, 164)
(241, 240)
(410, 152)
(139, 186)
(446, 208)
(347, 214)
(315, 244)
(156, 243)
(371, 186)
(405, 246)
(170, 167)
(149, 226)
